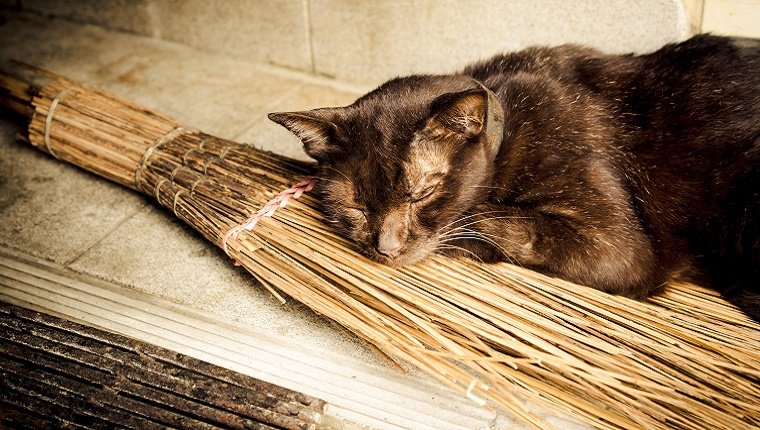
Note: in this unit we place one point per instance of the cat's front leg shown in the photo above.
(605, 252)
(493, 233)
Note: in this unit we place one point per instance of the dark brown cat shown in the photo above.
(615, 171)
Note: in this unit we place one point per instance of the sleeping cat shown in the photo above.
(615, 171)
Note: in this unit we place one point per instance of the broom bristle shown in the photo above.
(497, 333)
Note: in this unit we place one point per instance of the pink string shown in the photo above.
(279, 201)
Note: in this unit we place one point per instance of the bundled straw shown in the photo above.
(497, 333)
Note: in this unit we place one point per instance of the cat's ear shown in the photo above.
(315, 128)
(463, 112)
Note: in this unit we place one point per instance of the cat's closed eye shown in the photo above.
(357, 210)
(422, 191)
(424, 194)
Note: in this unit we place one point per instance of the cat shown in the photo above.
(619, 172)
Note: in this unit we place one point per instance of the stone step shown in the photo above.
(374, 396)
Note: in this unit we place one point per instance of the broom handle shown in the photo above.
(131, 145)
(110, 145)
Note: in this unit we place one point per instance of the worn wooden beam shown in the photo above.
(59, 373)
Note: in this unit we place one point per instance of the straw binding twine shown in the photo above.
(279, 201)
(171, 134)
(49, 118)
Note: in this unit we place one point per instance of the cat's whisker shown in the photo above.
(453, 235)
(489, 187)
(491, 218)
(443, 245)
(340, 173)
(329, 180)
(471, 216)
(509, 258)
(474, 235)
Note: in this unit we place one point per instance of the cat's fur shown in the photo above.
(615, 171)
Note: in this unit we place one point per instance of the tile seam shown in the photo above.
(309, 35)
(68, 263)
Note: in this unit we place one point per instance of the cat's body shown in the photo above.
(619, 172)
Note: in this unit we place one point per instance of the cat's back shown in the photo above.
(707, 85)
(565, 63)
(707, 63)
(692, 115)
(689, 102)
(686, 119)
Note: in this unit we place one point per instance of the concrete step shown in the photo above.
(357, 392)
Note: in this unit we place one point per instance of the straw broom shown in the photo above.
(499, 334)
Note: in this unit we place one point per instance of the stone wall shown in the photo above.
(367, 41)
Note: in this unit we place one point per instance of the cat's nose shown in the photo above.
(389, 245)
(392, 235)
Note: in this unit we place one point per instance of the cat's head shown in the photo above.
(403, 162)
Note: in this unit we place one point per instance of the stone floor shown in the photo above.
(55, 211)
(84, 224)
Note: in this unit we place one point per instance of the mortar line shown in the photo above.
(67, 264)
(156, 29)
(356, 87)
(309, 35)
